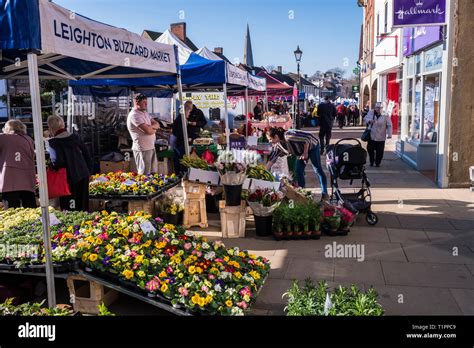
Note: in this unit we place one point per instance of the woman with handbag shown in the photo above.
(71, 154)
(380, 125)
(17, 167)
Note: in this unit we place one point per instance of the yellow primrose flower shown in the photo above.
(146, 244)
(202, 302)
(164, 287)
(252, 256)
(128, 274)
(208, 299)
(195, 299)
(170, 227)
(242, 254)
(192, 270)
(246, 298)
(180, 276)
(162, 274)
(160, 245)
(198, 269)
(226, 258)
(93, 257)
(230, 251)
(228, 303)
(141, 274)
(238, 275)
(139, 259)
(98, 241)
(85, 257)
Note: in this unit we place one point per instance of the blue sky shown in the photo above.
(327, 31)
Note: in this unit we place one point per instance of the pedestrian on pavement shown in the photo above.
(71, 153)
(142, 129)
(381, 129)
(305, 146)
(17, 167)
(355, 115)
(341, 115)
(326, 113)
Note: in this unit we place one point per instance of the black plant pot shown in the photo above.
(212, 203)
(233, 195)
(176, 219)
(263, 225)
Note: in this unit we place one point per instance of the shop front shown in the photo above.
(422, 76)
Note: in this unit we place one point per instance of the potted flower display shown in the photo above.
(263, 202)
(233, 175)
(347, 220)
(314, 220)
(171, 208)
(331, 220)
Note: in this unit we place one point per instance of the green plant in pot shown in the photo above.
(278, 223)
(300, 220)
(289, 216)
(314, 215)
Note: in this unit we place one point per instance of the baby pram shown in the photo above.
(347, 162)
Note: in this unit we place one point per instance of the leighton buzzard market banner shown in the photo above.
(64, 32)
(412, 13)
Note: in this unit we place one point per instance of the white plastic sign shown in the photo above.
(147, 227)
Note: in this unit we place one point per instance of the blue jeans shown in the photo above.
(315, 157)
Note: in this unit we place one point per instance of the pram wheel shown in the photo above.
(371, 218)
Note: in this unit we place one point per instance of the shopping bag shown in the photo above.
(366, 134)
(57, 183)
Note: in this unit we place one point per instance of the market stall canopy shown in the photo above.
(170, 39)
(264, 83)
(197, 71)
(75, 47)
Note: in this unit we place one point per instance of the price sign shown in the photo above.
(147, 227)
(129, 182)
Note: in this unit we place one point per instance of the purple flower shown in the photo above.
(106, 261)
(53, 246)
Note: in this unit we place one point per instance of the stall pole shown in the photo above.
(226, 115)
(70, 108)
(246, 112)
(41, 168)
(9, 111)
(266, 101)
(183, 116)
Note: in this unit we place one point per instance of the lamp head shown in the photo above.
(298, 54)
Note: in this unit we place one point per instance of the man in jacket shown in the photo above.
(195, 118)
(341, 114)
(381, 129)
(326, 113)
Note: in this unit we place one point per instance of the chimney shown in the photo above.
(305, 76)
(219, 50)
(280, 69)
(179, 29)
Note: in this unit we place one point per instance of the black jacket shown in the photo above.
(177, 130)
(72, 154)
(327, 113)
(196, 115)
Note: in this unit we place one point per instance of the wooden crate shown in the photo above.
(147, 206)
(192, 190)
(195, 212)
(233, 220)
(87, 295)
(97, 204)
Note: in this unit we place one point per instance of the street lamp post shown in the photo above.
(298, 53)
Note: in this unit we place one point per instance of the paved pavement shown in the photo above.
(419, 257)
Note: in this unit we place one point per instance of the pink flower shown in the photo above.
(205, 289)
(218, 260)
(242, 305)
(183, 291)
(152, 285)
(211, 276)
(169, 270)
(199, 254)
(187, 246)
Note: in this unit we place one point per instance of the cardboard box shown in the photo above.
(108, 166)
(204, 176)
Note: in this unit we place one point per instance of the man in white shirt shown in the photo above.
(142, 129)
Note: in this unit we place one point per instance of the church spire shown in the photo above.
(248, 56)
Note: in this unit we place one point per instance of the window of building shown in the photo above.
(431, 108)
(378, 28)
(415, 120)
(385, 27)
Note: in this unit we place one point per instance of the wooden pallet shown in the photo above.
(195, 213)
(86, 295)
(233, 220)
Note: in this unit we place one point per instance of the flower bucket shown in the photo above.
(212, 203)
(176, 219)
(263, 225)
(233, 195)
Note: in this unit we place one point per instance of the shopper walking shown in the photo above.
(71, 153)
(381, 129)
(305, 146)
(17, 167)
(326, 113)
(142, 129)
(341, 115)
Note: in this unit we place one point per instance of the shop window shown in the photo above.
(415, 124)
(431, 108)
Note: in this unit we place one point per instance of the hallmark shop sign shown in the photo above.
(418, 12)
(64, 32)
